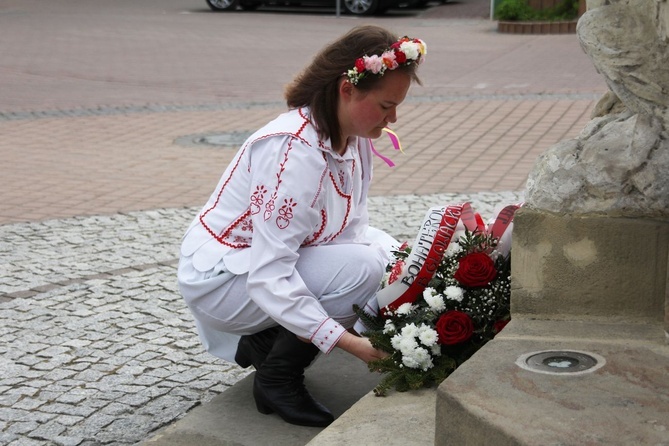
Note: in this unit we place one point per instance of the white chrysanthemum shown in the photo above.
(434, 300)
(436, 350)
(454, 293)
(389, 327)
(452, 249)
(419, 358)
(427, 336)
(395, 341)
(405, 308)
(410, 330)
(410, 49)
(409, 361)
(407, 344)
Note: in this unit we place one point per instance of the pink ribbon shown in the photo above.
(395, 140)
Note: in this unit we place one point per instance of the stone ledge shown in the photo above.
(400, 418)
(562, 27)
(491, 400)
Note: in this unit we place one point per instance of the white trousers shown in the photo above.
(339, 276)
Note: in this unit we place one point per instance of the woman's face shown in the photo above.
(366, 113)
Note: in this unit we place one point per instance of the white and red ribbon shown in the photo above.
(436, 232)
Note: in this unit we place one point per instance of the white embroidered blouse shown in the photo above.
(285, 189)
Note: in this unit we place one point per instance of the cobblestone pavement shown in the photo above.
(99, 105)
(98, 347)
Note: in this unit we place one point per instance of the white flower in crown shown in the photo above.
(411, 49)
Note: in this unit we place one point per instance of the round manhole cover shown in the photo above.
(561, 362)
(220, 139)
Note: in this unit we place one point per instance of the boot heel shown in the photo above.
(242, 360)
(263, 408)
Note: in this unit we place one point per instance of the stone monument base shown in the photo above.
(584, 359)
(584, 267)
(492, 400)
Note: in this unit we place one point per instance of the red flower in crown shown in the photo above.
(360, 65)
(400, 57)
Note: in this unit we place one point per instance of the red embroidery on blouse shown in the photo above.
(317, 234)
(257, 199)
(270, 206)
(347, 197)
(247, 224)
(220, 237)
(285, 213)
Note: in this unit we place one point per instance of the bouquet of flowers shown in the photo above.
(449, 295)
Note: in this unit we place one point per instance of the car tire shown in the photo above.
(222, 5)
(361, 7)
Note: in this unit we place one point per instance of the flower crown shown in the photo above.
(403, 52)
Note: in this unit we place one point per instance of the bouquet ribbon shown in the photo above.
(434, 236)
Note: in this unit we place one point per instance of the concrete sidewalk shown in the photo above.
(105, 110)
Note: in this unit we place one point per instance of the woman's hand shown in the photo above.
(360, 347)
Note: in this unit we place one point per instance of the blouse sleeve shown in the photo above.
(286, 179)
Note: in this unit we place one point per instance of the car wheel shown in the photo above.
(361, 7)
(222, 5)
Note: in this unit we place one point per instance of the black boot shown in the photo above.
(253, 349)
(279, 383)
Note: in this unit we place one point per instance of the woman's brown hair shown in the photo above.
(317, 87)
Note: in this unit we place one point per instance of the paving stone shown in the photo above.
(101, 286)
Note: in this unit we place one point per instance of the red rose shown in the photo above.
(499, 325)
(475, 270)
(454, 327)
(360, 65)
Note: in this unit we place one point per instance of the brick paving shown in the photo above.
(100, 107)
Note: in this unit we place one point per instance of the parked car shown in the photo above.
(356, 7)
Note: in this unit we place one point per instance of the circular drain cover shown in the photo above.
(561, 362)
(223, 139)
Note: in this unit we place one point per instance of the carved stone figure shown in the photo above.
(619, 164)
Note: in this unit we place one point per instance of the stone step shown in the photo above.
(487, 401)
(338, 380)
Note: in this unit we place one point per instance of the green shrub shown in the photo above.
(520, 11)
(514, 10)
